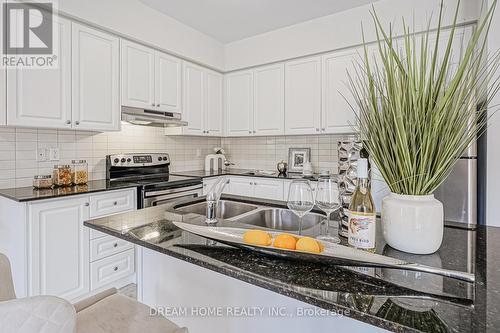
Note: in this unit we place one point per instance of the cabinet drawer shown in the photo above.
(106, 246)
(111, 203)
(110, 269)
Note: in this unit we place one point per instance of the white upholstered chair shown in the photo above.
(107, 312)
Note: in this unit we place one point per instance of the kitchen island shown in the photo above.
(208, 286)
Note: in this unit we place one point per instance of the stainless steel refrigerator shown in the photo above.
(459, 191)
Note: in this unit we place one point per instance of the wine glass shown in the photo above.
(300, 199)
(328, 200)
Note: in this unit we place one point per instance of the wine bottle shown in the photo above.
(362, 215)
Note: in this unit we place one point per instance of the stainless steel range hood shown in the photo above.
(152, 118)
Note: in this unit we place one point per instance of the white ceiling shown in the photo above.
(231, 20)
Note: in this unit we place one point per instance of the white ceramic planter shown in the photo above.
(413, 223)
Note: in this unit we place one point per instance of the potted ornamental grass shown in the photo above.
(418, 111)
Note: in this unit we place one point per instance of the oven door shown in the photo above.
(161, 197)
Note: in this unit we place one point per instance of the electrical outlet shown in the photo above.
(54, 154)
(42, 155)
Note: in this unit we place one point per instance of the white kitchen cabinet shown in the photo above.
(59, 248)
(303, 96)
(257, 187)
(337, 115)
(42, 97)
(138, 75)
(112, 268)
(95, 80)
(241, 186)
(239, 103)
(150, 79)
(269, 100)
(202, 102)
(214, 107)
(268, 188)
(168, 78)
(103, 204)
(194, 105)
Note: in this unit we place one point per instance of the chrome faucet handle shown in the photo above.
(213, 197)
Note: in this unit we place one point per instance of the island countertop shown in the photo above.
(395, 300)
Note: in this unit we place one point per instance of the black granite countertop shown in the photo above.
(23, 194)
(243, 172)
(396, 300)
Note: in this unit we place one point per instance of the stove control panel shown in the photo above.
(137, 160)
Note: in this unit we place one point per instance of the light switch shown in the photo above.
(42, 155)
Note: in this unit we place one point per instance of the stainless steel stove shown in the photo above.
(150, 172)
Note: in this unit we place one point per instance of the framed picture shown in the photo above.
(297, 157)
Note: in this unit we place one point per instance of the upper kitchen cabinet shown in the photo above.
(255, 101)
(239, 103)
(150, 79)
(96, 80)
(303, 96)
(194, 97)
(269, 100)
(214, 115)
(138, 75)
(337, 114)
(202, 102)
(168, 74)
(42, 97)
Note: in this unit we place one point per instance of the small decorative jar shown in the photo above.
(62, 175)
(42, 182)
(79, 172)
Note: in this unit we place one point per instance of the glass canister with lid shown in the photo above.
(79, 172)
(42, 182)
(62, 175)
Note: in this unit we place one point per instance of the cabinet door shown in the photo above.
(303, 96)
(268, 189)
(194, 107)
(337, 115)
(214, 104)
(239, 104)
(3, 82)
(96, 80)
(137, 75)
(59, 251)
(269, 101)
(168, 74)
(42, 97)
(241, 186)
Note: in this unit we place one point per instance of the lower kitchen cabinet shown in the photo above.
(268, 188)
(53, 253)
(256, 187)
(59, 248)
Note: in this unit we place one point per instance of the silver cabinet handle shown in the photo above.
(208, 132)
(153, 104)
(115, 203)
(254, 132)
(68, 122)
(255, 183)
(87, 204)
(317, 129)
(115, 245)
(77, 122)
(323, 129)
(158, 105)
(115, 269)
(251, 183)
(250, 132)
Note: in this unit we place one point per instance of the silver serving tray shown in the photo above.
(333, 253)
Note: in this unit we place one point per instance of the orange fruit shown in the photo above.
(257, 237)
(285, 241)
(308, 244)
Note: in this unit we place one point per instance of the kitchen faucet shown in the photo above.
(213, 197)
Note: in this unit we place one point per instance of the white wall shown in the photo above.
(493, 156)
(134, 19)
(337, 31)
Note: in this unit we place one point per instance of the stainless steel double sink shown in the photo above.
(255, 215)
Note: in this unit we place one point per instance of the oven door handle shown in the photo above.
(170, 197)
(179, 190)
